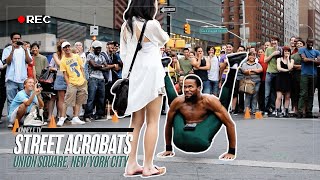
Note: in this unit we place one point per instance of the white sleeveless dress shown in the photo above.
(147, 75)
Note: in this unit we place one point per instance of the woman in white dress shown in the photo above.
(146, 85)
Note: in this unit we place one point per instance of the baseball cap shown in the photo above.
(96, 44)
(64, 44)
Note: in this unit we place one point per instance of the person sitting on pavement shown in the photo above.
(26, 101)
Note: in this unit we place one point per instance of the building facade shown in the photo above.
(291, 20)
(263, 18)
(71, 20)
(309, 19)
(203, 10)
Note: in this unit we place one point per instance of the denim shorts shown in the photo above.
(60, 84)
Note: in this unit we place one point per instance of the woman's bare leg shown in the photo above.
(151, 135)
(61, 95)
(137, 121)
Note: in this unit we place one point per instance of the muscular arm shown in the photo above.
(169, 124)
(215, 105)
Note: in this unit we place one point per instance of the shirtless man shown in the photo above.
(195, 108)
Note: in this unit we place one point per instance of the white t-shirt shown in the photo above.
(213, 72)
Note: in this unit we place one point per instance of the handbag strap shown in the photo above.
(139, 46)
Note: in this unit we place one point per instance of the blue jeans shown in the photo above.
(96, 94)
(214, 87)
(206, 87)
(251, 99)
(12, 89)
(270, 91)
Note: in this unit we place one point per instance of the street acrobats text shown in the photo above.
(79, 144)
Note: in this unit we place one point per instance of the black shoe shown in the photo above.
(97, 117)
(299, 115)
(165, 61)
(310, 115)
(237, 58)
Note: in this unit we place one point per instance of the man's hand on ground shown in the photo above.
(227, 156)
(165, 154)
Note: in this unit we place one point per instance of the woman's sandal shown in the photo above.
(161, 171)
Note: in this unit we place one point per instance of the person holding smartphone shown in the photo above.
(16, 56)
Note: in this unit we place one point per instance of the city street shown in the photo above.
(267, 149)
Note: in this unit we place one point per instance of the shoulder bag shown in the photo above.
(246, 85)
(120, 88)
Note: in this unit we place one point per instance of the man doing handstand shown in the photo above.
(195, 108)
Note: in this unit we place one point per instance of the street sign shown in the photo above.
(168, 9)
(94, 30)
(206, 30)
(252, 43)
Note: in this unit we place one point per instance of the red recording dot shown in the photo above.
(21, 19)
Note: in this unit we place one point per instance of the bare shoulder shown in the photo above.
(178, 100)
(210, 97)
(211, 100)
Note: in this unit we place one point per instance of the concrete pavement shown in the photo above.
(267, 149)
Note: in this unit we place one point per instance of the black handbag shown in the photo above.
(47, 79)
(120, 88)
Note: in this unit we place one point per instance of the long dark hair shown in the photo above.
(144, 9)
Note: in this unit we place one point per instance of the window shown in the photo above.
(231, 9)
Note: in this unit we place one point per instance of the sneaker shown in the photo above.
(98, 117)
(61, 121)
(299, 115)
(32, 122)
(88, 119)
(10, 125)
(310, 115)
(76, 120)
(273, 114)
(265, 114)
(109, 117)
(233, 112)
